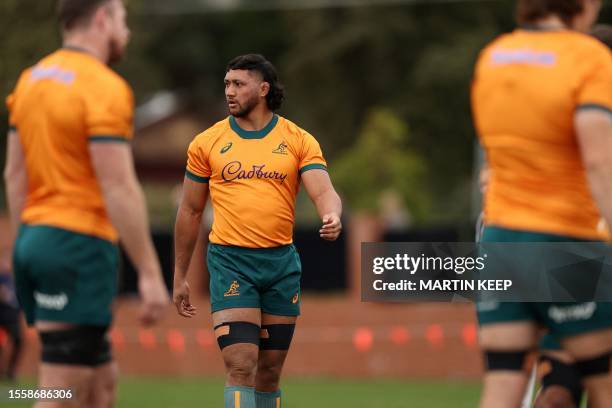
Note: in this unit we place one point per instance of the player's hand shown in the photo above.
(180, 297)
(332, 226)
(154, 297)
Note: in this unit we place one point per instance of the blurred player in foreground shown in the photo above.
(561, 385)
(252, 163)
(72, 192)
(560, 382)
(541, 100)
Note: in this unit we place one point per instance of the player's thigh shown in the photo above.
(238, 334)
(506, 326)
(277, 332)
(238, 314)
(276, 337)
(589, 344)
(66, 377)
(583, 328)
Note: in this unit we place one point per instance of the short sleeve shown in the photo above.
(110, 114)
(596, 87)
(198, 168)
(311, 156)
(11, 100)
(10, 103)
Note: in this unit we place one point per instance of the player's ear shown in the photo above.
(264, 89)
(101, 17)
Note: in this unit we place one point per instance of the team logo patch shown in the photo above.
(233, 290)
(226, 147)
(295, 299)
(52, 302)
(281, 149)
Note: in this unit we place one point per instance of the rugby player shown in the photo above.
(72, 192)
(548, 172)
(251, 163)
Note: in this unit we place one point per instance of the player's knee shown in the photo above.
(104, 387)
(81, 345)
(241, 368)
(517, 361)
(555, 396)
(108, 380)
(276, 336)
(269, 372)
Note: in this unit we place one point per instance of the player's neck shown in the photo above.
(88, 43)
(551, 22)
(257, 119)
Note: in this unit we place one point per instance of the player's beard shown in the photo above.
(115, 51)
(247, 108)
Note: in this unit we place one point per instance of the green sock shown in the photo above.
(268, 399)
(239, 397)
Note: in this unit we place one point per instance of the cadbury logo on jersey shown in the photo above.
(234, 171)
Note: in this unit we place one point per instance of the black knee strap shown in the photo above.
(508, 360)
(237, 332)
(276, 336)
(556, 372)
(82, 345)
(595, 366)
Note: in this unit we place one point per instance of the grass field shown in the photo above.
(298, 393)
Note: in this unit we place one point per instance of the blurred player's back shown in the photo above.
(61, 104)
(538, 180)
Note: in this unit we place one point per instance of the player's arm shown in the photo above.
(15, 179)
(186, 230)
(319, 187)
(594, 132)
(125, 205)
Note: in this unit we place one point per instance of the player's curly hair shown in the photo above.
(72, 13)
(530, 11)
(258, 63)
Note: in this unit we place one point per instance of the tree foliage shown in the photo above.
(411, 63)
(382, 159)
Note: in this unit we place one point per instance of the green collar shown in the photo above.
(75, 49)
(534, 27)
(253, 134)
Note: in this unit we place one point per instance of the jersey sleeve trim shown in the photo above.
(195, 177)
(313, 167)
(107, 139)
(595, 106)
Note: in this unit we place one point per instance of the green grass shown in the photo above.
(298, 393)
